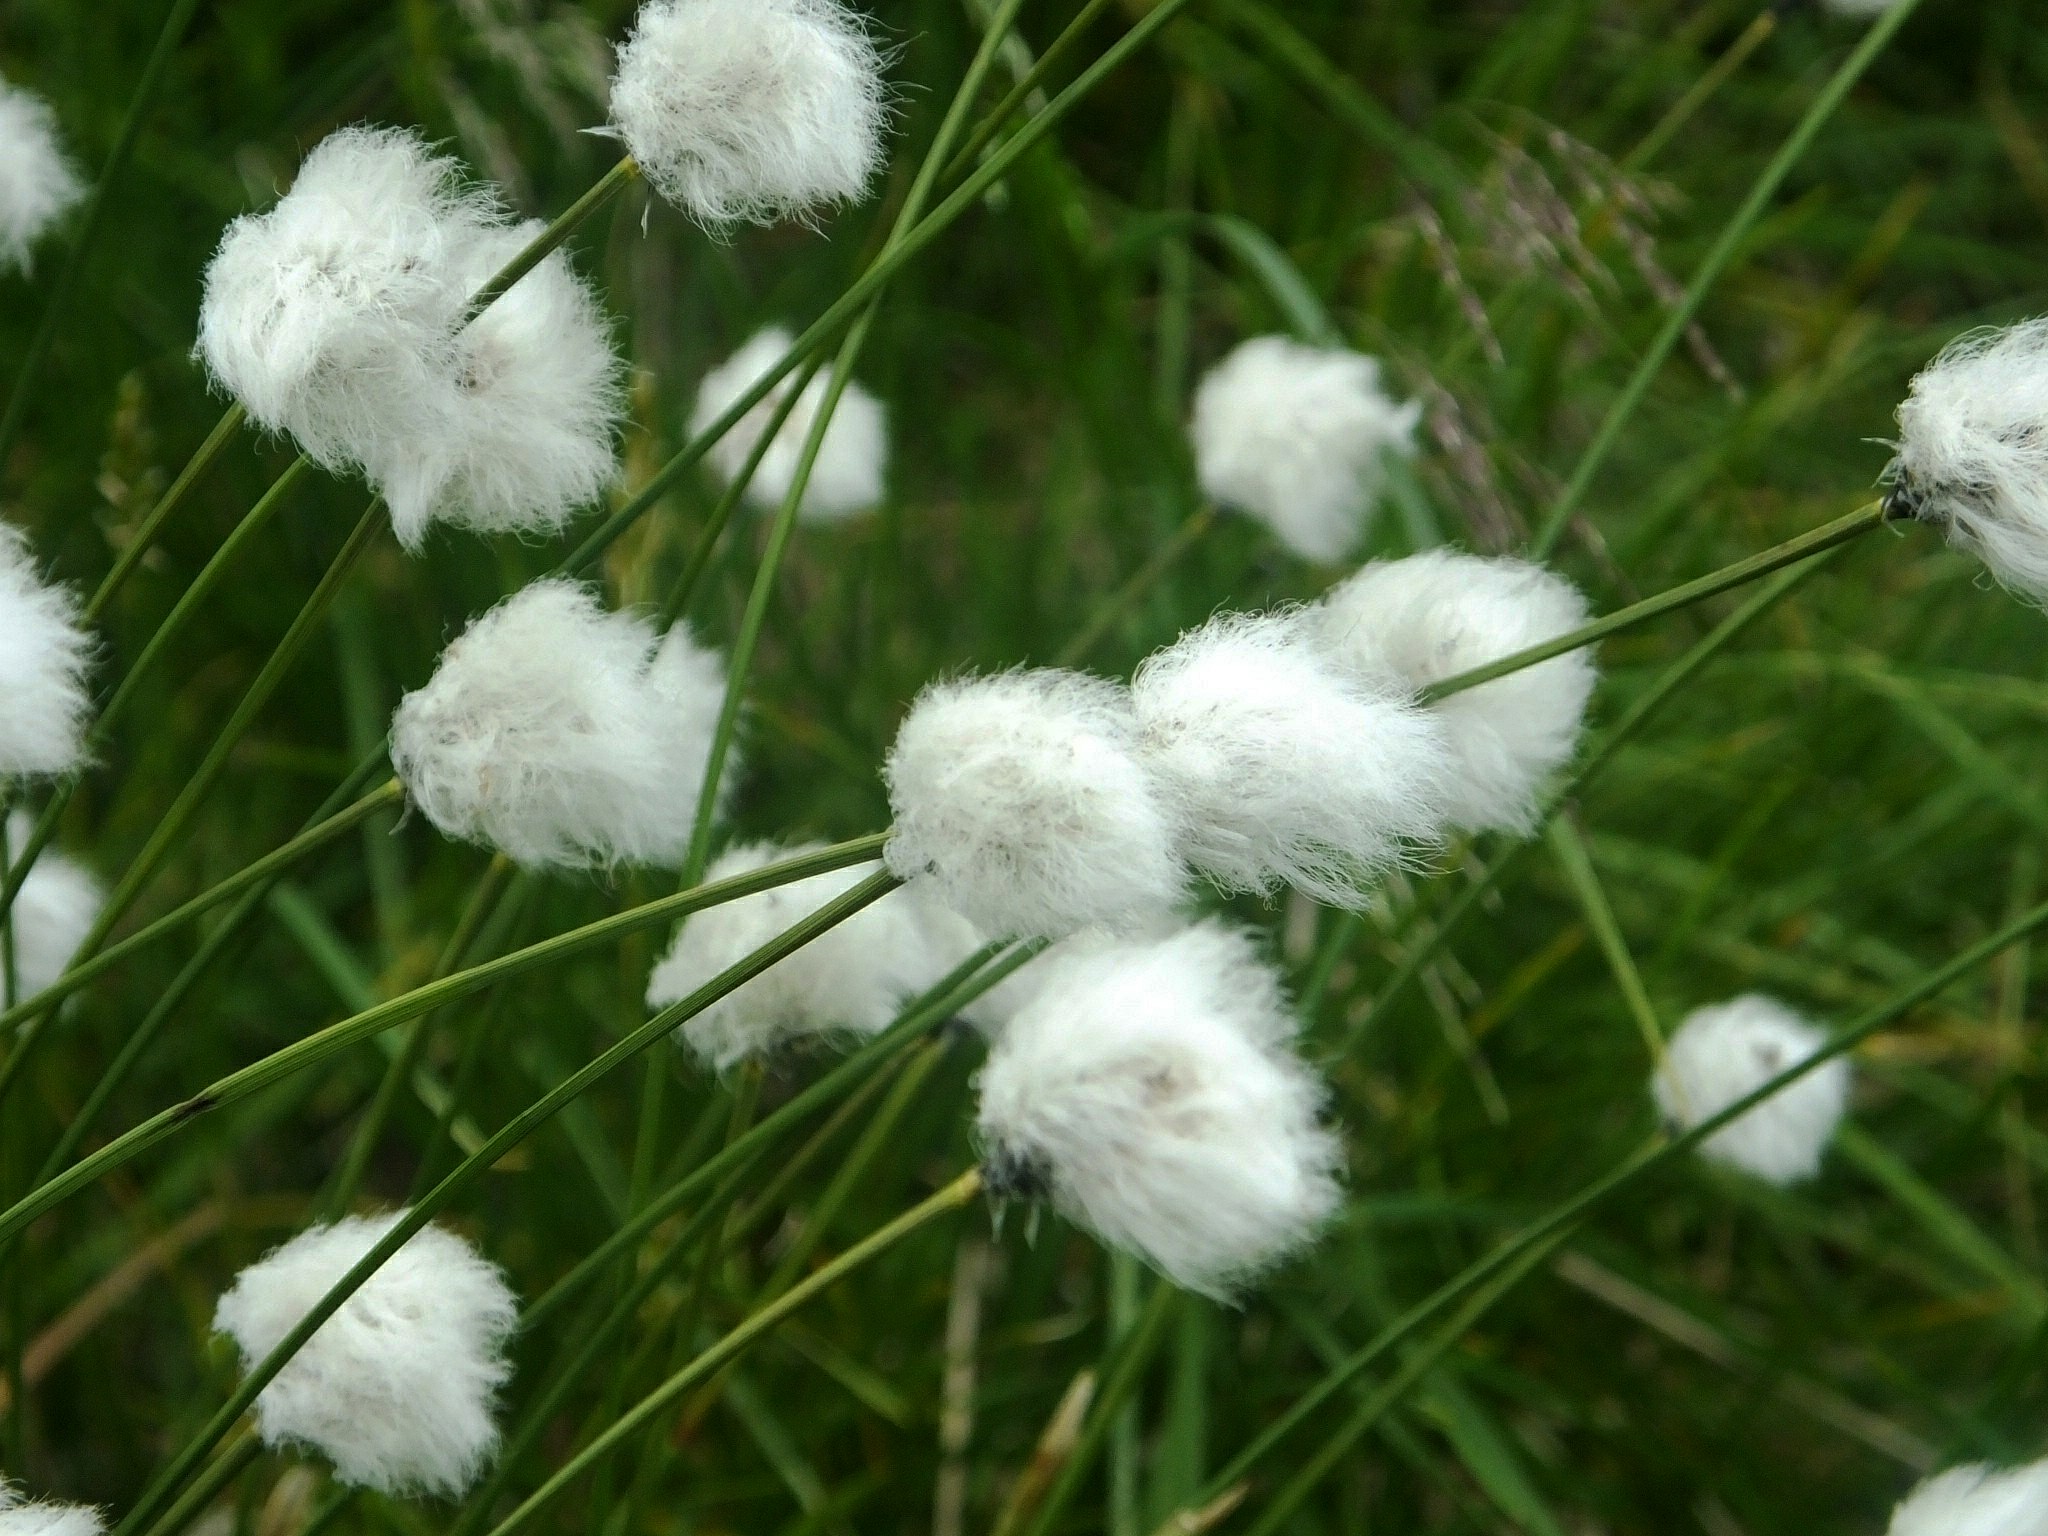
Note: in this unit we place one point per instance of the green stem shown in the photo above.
(1127, 596)
(326, 1043)
(223, 1470)
(549, 240)
(1754, 36)
(955, 1195)
(144, 538)
(1030, 81)
(1814, 541)
(1576, 860)
(45, 338)
(1789, 154)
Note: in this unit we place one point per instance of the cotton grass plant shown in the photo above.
(1239, 844)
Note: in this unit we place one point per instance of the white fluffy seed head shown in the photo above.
(1151, 1090)
(1294, 434)
(1280, 768)
(1020, 804)
(563, 734)
(1724, 1053)
(38, 185)
(1416, 621)
(751, 109)
(44, 654)
(848, 474)
(53, 911)
(21, 1517)
(515, 430)
(1973, 451)
(399, 1387)
(854, 977)
(1977, 1501)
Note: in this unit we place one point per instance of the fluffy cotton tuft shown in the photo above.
(1726, 1052)
(1280, 768)
(19, 1517)
(1973, 451)
(53, 911)
(1412, 622)
(37, 183)
(1151, 1090)
(1977, 1501)
(1293, 435)
(853, 457)
(1020, 803)
(563, 734)
(44, 654)
(751, 109)
(399, 1387)
(338, 317)
(854, 977)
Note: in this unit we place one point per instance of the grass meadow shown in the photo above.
(1648, 343)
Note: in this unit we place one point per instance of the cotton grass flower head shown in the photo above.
(53, 911)
(1280, 768)
(848, 473)
(399, 1387)
(854, 977)
(44, 654)
(1416, 621)
(1020, 803)
(1973, 452)
(23, 1517)
(563, 734)
(1726, 1052)
(38, 184)
(1977, 1501)
(1151, 1091)
(1294, 435)
(751, 110)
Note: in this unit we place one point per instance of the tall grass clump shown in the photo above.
(1186, 765)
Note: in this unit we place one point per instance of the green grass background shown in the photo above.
(1841, 802)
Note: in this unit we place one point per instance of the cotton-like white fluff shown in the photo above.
(563, 734)
(1973, 451)
(1150, 1089)
(53, 911)
(1020, 803)
(751, 109)
(1293, 435)
(1416, 621)
(855, 976)
(38, 185)
(21, 1517)
(853, 457)
(1724, 1053)
(44, 654)
(1280, 767)
(399, 1387)
(515, 430)
(338, 317)
(1977, 1501)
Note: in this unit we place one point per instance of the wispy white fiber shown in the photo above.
(854, 977)
(399, 1387)
(38, 184)
(44, 654)
(1973, 451)
(515, 430)
(25, 1517)
(563, 734)
(1977, 1501)
(1416, 621)
(53, 911)
(848, 474)
(337, 317)
(1151, 1090)
(1293, 435)
(1280, 767)
(1020, 803)
(751, 109)
(1726, 1052)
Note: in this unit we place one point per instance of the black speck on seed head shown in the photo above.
(1008, 1174)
